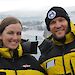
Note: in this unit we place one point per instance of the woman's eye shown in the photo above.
(18, 33)
(10, 32)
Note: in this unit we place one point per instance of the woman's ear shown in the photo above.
(0, 37)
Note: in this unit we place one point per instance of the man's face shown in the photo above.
(58, 27)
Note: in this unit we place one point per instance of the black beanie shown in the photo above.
(56, 12)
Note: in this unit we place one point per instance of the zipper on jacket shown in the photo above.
(72, 68)
(63, 62)
(13, 61)
(14, 65)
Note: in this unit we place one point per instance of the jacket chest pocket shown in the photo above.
(7, 72)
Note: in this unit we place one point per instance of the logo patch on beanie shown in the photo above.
(51, 14)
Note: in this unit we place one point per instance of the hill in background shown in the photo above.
(35, 19)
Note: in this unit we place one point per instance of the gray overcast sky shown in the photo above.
(7, 5)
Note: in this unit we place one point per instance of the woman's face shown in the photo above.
(11, 36)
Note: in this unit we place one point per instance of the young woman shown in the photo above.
(13, 58)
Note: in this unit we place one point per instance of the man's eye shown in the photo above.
(53, 22)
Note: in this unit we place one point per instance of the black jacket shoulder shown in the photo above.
(29, 47)
(45, 47)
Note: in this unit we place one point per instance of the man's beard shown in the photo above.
(61, 39)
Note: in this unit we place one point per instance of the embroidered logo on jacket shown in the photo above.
(26, 66)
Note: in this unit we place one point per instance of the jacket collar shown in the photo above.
(6, 53)
(69, 39)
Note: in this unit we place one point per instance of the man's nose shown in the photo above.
(58, 25)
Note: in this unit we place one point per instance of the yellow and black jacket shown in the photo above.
(19, 63)
(58, 58)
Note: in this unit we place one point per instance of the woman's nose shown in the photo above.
(15, 36)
